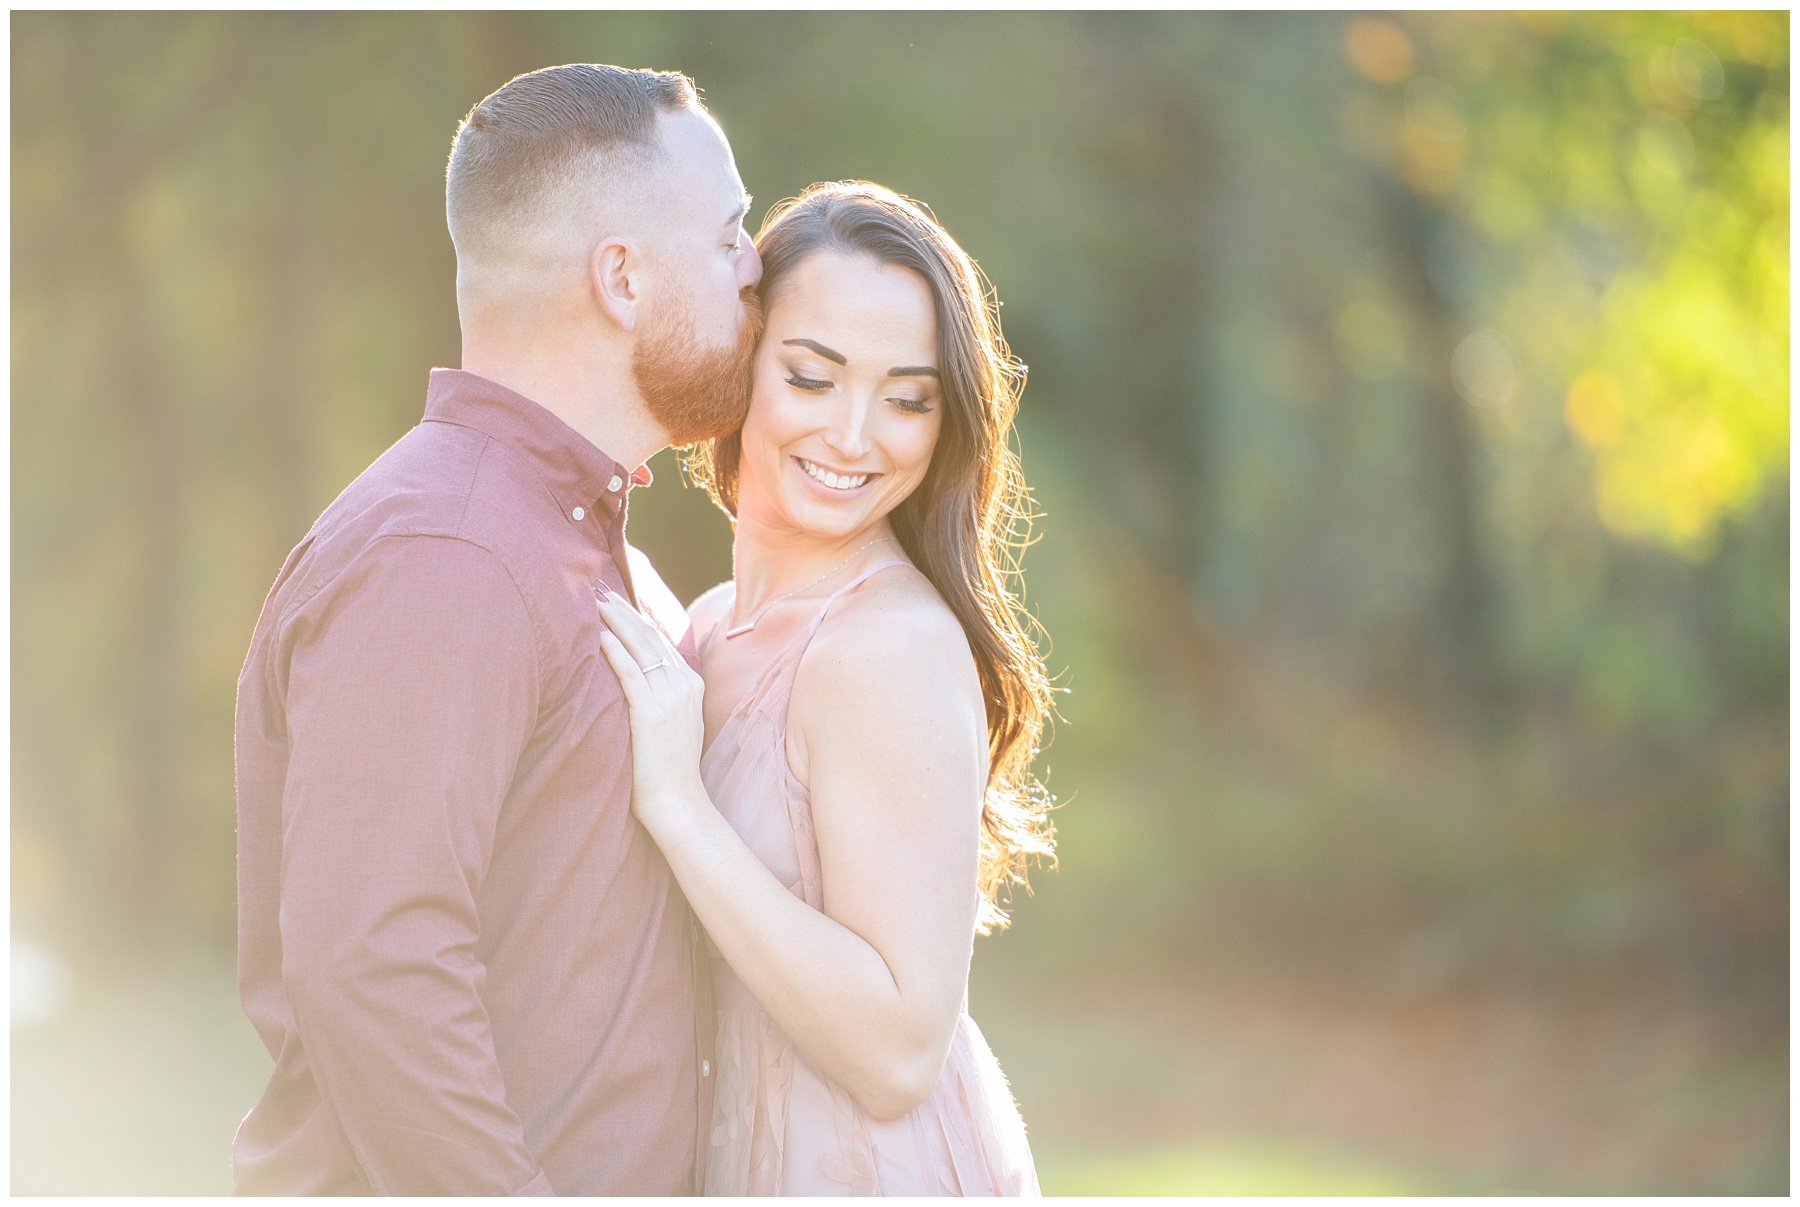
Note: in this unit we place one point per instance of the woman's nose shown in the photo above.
(848, 434)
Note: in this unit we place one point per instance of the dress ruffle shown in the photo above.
(781, 1127)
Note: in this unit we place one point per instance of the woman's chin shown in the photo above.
(830, 527)
(831, 519)
(816, 506)
(813, 509)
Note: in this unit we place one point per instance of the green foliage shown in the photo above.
(1408, 408)
(1631, 177)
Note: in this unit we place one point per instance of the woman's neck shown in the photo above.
(768, 564)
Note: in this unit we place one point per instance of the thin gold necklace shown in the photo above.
(763, 611)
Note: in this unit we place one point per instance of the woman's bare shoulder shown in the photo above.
(886, 693)
(896, 632)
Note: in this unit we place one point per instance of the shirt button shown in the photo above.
(706, 1068)
(579, 514)
(616, 482)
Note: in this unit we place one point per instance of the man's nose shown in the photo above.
(749, 265)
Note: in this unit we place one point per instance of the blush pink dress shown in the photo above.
(780, 1126)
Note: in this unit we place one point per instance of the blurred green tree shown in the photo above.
(1408, 407)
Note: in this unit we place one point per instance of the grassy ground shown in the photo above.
(1189, 1086)
(138, 1088)
(1129, 1087)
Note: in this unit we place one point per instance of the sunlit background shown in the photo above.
(1408, 413)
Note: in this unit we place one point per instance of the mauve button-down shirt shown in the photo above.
(473, 968)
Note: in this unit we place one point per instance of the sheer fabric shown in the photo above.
(780, 1126)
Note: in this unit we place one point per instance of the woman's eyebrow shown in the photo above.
(913, 371)
(816, 346)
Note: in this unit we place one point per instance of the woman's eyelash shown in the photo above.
(815, 385)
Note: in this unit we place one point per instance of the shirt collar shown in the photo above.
(580, 477)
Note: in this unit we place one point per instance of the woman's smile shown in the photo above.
(836, 482)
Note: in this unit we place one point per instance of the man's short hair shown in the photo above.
(518, 149)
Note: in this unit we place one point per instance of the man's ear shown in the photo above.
(616, 275)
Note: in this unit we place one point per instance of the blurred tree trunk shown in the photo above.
(1462, 606)
(152, 506)
(1143, 419)
(282, 390)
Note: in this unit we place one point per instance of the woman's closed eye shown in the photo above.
(801, 381)
(913, 406)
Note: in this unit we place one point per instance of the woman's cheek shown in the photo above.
(925, 444)
(762, 426)
(772, 413)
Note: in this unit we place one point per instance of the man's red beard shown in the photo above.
(696, 393)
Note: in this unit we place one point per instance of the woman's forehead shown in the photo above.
(855, 298)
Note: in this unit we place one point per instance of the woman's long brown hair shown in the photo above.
(969, 520)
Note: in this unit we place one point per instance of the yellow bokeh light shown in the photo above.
(1595, 409)
(1379, 50)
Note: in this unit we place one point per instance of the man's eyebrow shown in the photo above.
(816, 346)
(741, 212)
(913, 371)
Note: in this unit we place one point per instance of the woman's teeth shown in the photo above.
(835, 481)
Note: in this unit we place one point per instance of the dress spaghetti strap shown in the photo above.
(718, 627)
(848, 587)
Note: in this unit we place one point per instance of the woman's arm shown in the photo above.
(886, 726)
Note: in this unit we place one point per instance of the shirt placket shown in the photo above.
(607, 512)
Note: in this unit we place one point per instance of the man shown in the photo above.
(472, 968)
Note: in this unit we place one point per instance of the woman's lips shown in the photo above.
(834, 481)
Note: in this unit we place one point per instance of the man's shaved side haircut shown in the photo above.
(518, 149)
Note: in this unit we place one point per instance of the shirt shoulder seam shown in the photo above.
(531, 614)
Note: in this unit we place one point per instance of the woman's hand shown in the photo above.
(668, 729)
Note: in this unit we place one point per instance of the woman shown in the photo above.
(868, 715)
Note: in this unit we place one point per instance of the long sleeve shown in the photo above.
(411, 688)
